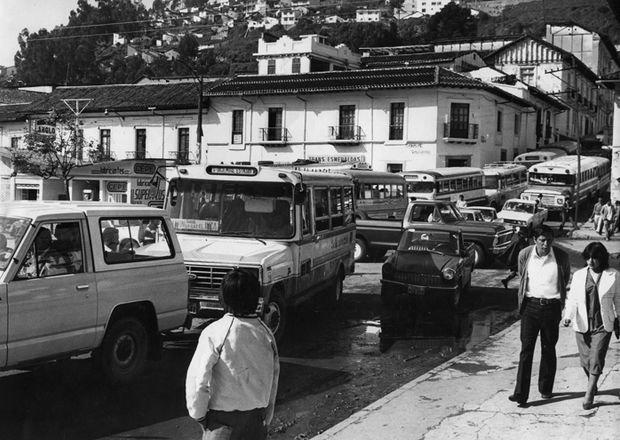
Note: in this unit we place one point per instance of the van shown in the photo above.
(88, 277)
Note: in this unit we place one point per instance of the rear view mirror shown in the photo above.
(300, 193)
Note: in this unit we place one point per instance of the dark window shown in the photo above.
(140, 143)
(271, 67)
(104, 142)
(346, 122)
(296, 65)
(15, 142)
(500, 121)
(274, 124)
(237, 126)
(459, 120)
(183, 144)
(397, 120)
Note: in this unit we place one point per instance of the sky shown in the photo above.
(16, 15)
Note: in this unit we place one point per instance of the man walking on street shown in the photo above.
(607, 215)
(544, 271)
(596, 215)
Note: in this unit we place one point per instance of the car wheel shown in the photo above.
(124, 350)
(360, 249)
(275, 314)
(479, 255)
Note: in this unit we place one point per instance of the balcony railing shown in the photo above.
(135, 154)
(182, 157)
(460, 132)
(274, 135)
(345, 134)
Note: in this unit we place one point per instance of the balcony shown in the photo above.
(345, 134)
(274, 136)
(459, 132)
(135, 154)
(181, 157)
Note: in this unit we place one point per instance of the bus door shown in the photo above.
(307, 243)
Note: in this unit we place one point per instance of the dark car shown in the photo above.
(432, 266)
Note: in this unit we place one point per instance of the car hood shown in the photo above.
(423, 262)
(514, 215)
(228, 250)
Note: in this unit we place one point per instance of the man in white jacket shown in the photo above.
(232, 380)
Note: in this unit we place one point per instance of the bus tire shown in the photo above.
(124, 350)
(479, 255)
(275, 313)
(361, 249)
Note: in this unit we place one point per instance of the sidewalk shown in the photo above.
(467, 397)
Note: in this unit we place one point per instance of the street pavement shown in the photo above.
(467, 396)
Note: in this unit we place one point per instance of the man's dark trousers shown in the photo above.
(539, 316)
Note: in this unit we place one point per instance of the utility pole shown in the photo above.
(77, 106)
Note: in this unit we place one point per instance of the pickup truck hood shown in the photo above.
(228, 250)
(467, 226)
(514, 215)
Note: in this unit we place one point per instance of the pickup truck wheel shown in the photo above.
(479, 255)
(360, 249)
(275, 314)
(124, 350)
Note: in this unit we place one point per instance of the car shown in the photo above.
(432, 266)
(472, 214)
(81, 277)
(489, 213)
(521, 212)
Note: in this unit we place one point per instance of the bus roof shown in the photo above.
(252, 173)
(502, 168)
(374, 176)
(446, 172)
(531, 156)
(567, 164)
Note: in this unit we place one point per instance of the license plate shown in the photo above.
(416, 290)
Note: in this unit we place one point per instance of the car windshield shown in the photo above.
(417, 241)
(12, 229)
(488, 214)
(519, 207)
(249, 209)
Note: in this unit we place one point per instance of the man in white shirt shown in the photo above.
(545, 272)
(232, 380)
(461, 203)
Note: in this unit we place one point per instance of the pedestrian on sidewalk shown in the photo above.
(592, 304)
(607, 215)
(596, 215)
(567, 214)
(545, 272)
(232, 378)
(520, 240)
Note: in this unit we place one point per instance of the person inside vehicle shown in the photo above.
(68, 244)
(110, 239)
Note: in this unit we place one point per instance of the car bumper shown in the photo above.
(420, 291)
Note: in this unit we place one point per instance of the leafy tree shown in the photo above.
(451, 22)
(188, 46)
(54, 154)
(356, 35)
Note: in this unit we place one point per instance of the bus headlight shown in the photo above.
(559, 201)
(448, 274)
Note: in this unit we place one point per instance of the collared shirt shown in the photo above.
(607, 212)
(542, 276)
(235, 367)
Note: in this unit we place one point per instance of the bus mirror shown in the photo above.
(300, 193)
(172, 193)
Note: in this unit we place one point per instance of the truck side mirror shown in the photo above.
(300, 193)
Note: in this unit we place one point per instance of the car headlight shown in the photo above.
(448, 274)
(559, 201)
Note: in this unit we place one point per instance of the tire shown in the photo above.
(479, 255)
(275, 314)
(335, 294)
(361, 249)
(124, 350)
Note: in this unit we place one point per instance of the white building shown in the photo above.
(367, 15)
(431, 7)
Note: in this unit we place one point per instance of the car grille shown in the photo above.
(512, 221)
(207, 280)
(505, 236)
(420, 279)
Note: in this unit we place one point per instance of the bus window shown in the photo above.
(348, 206)
(336, 207)
(321, 207)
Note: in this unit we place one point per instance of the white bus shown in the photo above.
(447, 184)
(533, 157)
(556, 180)
(294, 230)
(503, 181)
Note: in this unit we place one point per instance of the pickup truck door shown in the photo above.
(52, 297)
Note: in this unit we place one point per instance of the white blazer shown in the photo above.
(608, 295)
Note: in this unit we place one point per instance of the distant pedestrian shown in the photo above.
(567, 214)
(520, 240)
(461, 202)
(607, 217)
(591, 306)
(616, 222)
(596, 215)
(544, 271)
(539, 200)
(232, 379)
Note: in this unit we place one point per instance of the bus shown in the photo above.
(533, 157)
(294, 230)
(447, 184)
(503, 181)
(556, 180)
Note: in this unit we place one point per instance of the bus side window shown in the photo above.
(321, 210)
(305, 216)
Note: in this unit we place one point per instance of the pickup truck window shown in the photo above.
(130, 239)
(57, 250)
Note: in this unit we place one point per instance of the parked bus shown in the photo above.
(294, 230)
(447, 184)
(533, 157)
(503, 181)
(556, 180)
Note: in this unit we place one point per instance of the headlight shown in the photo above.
(559, 201)
(448, 274)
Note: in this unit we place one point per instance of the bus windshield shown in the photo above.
(421, 187)
(252, 209)
(491, 182)
(551, 179)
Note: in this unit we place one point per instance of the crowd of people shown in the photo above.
(606, 217)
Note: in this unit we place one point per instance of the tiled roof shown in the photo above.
(125, 97)
(352, 80)
(411, 59)
(13, 103)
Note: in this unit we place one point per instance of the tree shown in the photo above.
(451, 22)
(52, 150)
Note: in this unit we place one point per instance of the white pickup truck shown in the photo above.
(521, 212)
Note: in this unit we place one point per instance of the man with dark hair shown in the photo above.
(232, 379)
(545, 272)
